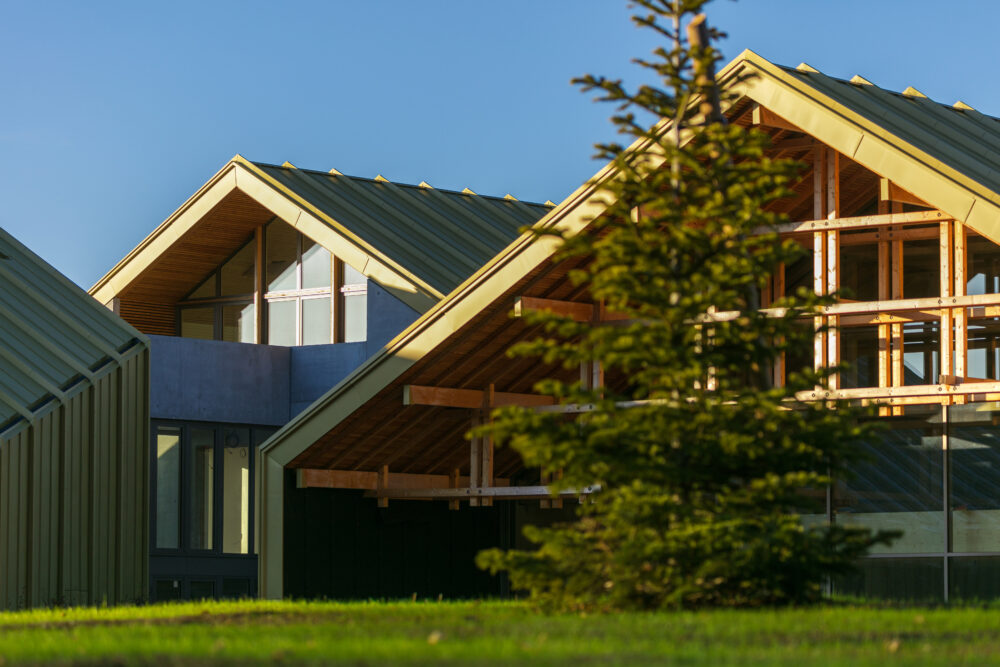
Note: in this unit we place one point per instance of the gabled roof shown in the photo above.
(53, 335)
(949, 154)
(441, 236)
(914, 142)
(417, 241)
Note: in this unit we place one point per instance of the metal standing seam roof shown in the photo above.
(957, 135)
(52, 333)
(442, 236)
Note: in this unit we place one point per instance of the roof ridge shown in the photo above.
(381, 179)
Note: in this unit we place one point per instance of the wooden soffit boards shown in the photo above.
(214, 209)
(872, 126)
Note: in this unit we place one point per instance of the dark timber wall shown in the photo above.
(339, 545)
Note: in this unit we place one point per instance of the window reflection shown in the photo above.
(921, 353)
(983, 267)
(974, 456)
(859, 350)
(922, 268)
(984, 348)
(202, 487)
(168, 487)
(281, 252)
(900, 486)
(236, 491)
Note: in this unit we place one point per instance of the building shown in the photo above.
(900, 204)
(74, 434)
(260, 293)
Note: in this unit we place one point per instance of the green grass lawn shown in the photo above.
(495, 633)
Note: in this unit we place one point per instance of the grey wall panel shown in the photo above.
(315, 368)
(387, 316)
(211, 380)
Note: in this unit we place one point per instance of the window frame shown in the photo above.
(258, 433)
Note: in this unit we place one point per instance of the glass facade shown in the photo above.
(309, 296)
(933, 474)
(202, 532)
(208, 507)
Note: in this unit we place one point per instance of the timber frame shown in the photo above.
(867, 181)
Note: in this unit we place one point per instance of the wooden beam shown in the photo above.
(497, 492)
(767, 118)
(581, 312)
(958, 379)
(447, 397)
(889, 191)
(259, 286)
(858, 222)
(317, 478)
(920, 309)
(990, 386)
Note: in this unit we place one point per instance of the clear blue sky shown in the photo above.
(113, 113)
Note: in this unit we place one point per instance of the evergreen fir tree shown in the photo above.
(701, 463)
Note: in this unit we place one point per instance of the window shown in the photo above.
(203, 493)
(168, 487)
(221, 307)
(308, 296)
(312, 297)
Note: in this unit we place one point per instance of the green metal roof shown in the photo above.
(957, 135)
(52, 334)
(441, 236)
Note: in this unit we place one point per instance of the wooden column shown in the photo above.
(259, 286)
(820, 169)
(947, 285)
(475, 463)
(833, 260)
(960, 315)
(486, 445)
(884, 294)
(896, 329)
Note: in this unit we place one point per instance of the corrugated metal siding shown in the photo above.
(74, 442)
(964, 139)
(442, 236)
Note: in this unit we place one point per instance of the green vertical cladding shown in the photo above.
(74, 487)
(74, 439)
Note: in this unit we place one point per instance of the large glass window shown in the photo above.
(202, 476)
(859, 270)
(236, 491)
(921, 353)
(859, 351)
(313, 298)
(922, 267)
(309, 297)
(901, 484)
(221, 307)
(983, 268)
(168, 487)
(974, 456)
(203, 495)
